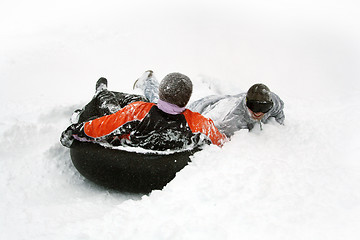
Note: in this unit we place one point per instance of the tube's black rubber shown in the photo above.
(127, 171)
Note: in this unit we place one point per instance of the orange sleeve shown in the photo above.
(105, 125)
(199, 123)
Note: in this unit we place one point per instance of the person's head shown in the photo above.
(175, 88)
(258, 100)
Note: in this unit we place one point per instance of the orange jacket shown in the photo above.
(143, 124)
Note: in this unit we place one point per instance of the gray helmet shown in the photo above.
(259, 92)
(176, 88)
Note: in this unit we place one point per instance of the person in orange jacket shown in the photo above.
(130, 120)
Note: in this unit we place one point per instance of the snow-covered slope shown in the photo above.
(298, 181)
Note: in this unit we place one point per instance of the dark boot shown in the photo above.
(101, 84)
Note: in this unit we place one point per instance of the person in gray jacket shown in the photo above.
(231, 113)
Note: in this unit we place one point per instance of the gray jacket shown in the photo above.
(230, 114)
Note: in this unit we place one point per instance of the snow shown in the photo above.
(298, 181)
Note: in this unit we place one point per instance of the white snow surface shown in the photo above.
(298, 181)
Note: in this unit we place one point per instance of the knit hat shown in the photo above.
(176, 88)
(259, 92)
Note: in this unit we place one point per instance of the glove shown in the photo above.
(67, 138)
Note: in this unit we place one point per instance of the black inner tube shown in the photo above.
(127, 171)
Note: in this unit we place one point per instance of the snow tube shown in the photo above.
(127, 171)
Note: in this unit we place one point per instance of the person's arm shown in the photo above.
(278, 109)
(280, 117)
(201, 124)
(106, 125)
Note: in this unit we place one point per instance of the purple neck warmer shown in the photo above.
(169, 108)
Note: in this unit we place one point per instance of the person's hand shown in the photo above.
(67, 138)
